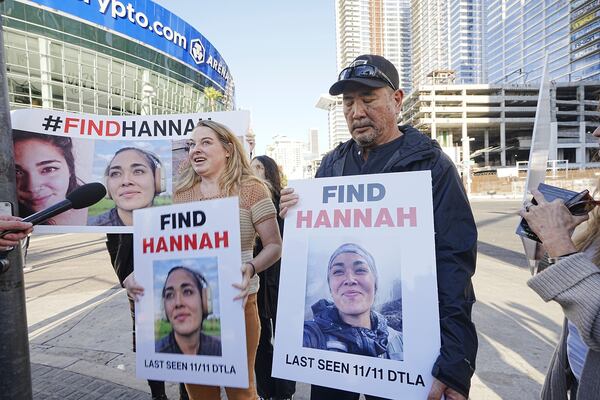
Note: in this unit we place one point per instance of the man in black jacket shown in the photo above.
(372, 102)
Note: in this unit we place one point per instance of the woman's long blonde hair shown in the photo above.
(588, 236)
(237, 167)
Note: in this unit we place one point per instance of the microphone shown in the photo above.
(82, 197)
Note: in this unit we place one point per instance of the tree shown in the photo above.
(213, 95)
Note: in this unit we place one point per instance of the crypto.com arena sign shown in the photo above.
(153, 25)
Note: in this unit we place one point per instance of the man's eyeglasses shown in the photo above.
(365, 71)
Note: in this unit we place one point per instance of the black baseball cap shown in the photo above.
(386, 74)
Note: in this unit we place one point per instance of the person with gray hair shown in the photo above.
(372, 101)
(349, 324)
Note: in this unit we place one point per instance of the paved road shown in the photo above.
(79, 325)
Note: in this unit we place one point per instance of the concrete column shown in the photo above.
(466, 148)
(552, 148)
(580, 152)
(433, 116)
(503, 142)
(148, 93)
(502, 130)
(486, 144)
(47, 98)
(466, 145)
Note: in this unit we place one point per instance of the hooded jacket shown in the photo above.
(455, 247)
(327, 331)
(209, 345)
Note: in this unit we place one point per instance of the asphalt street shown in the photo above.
(79, 324)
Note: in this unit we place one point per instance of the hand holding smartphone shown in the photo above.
(578, 204)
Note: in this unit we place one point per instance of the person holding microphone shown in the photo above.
(20, 230)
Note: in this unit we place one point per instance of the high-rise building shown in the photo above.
(369, 27)
(447, 41)
(375, 27)
(338, 128)
(429, 38)
(289, 154)
(519, 34)
(585, 40)
(466, 54)
(313, 142)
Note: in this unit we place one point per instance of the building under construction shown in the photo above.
(493, 124)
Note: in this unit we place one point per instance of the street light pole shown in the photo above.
(15, 370)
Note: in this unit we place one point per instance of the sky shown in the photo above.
(281, 55)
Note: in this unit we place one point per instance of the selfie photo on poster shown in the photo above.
(359, 265)
(186, 303)
(135, 176)
(352, 306)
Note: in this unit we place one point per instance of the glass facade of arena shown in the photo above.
(54, 61)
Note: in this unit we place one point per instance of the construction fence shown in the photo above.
(489, 184)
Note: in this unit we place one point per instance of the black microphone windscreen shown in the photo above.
(86, 195)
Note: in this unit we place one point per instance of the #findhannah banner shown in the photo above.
(138, 159)
(188, 327)
(373, 229)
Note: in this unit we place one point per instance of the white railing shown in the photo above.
(552, 165)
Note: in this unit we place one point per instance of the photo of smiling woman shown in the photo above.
(45, 172)
(348, 323)
(133, 178)
(187, 302)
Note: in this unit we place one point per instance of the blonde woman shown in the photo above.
(573, 281)
(218, 167)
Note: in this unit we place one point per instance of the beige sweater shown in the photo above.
(256, 206)
(574, 283)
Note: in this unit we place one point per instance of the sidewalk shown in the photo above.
(56, 383)
(80, 328)
(84, 352)
(79, 323)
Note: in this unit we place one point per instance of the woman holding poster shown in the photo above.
(349, 324)
(45, 171)
(133, 177)
(267, 386)
(217, 167)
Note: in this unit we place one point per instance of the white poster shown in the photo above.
(358, 271)
(137, 158)
(188, 327)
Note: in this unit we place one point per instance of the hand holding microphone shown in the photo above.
(15, 230)
(82, 197)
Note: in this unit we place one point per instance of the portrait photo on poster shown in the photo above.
(186, 304)
(48, 167)
(353, 300)
(136, 175)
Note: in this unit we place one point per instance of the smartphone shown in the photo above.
(578, 197)
(6, 208)
(550, 193)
